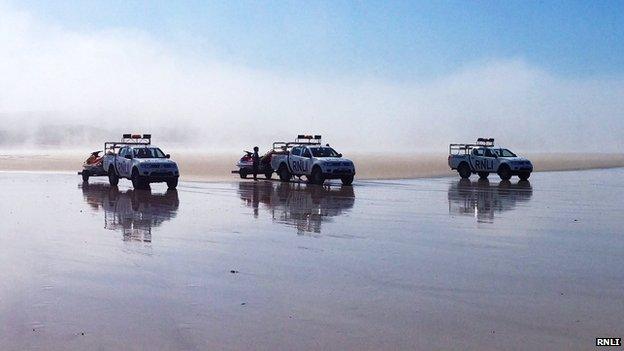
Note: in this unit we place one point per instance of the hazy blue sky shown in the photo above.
(538, 76)
(389, 39)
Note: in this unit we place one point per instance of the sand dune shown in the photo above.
(217, 166)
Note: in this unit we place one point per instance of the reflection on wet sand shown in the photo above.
(483, 199)
(132, 212)
(302, 206)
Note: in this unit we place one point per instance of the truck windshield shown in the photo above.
(148, 152)
(323, 152)
(503, 153)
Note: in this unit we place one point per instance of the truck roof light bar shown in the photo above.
(308, 139)
(129, 139)
(485, 141)
(302, 139)
(466, 148)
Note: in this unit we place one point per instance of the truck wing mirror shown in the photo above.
(167, 156)
(339, 155)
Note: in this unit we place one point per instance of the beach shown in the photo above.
(429, 263)
(205, 166)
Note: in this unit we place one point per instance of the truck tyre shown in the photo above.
(85, 176)
(317, 176)
(483, 175)
(172, 184)
(524, 175)
(464, 170)
(504, 172)
(268, 174)
(284, 174)
(243, 173)
(137, 181)
(113, 178)
(348, 180)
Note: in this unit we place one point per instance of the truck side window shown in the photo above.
(477, 152)
(296, 151)
(122, 152)
(306, 153)
(488, 153)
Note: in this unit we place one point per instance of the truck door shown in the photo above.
(490, 160)
(477, 160)
(124, 163)
(306, 160)
(119, 161)
(128, 161)
(295, 160)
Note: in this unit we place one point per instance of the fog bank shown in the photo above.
(74, 89)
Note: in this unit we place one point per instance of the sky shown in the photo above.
(366, 74)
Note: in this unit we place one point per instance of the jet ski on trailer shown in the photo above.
(245, 165)
(93, 166)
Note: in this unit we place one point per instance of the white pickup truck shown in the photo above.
(136, 159)
(307, 157)
(484, 158)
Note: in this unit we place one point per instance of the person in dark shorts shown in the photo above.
(256, 163)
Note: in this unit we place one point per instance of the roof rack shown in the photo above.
(129, 139)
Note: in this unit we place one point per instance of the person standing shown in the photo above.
(256, 163)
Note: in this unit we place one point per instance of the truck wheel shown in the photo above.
(172, 184)
(524, 175)
(268, 174)
(348, 180)
(284, 174)
(85, 176)
(317, 176)
(243, 173)
(483, 175)
(137, 181)
(464, 170)
(113, 178)
(504, 172)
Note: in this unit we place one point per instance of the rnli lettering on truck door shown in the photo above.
(484, 164)
(299, 165)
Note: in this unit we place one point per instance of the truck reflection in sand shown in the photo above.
(298, 205)
(132, 212)
(483, 199)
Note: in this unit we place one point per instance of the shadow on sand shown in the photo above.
(298, 205)
(132, 212)
(482, 199)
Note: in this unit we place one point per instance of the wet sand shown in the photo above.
(383, 265)
(197, 166)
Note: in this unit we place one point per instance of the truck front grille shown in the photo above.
(161, 174)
